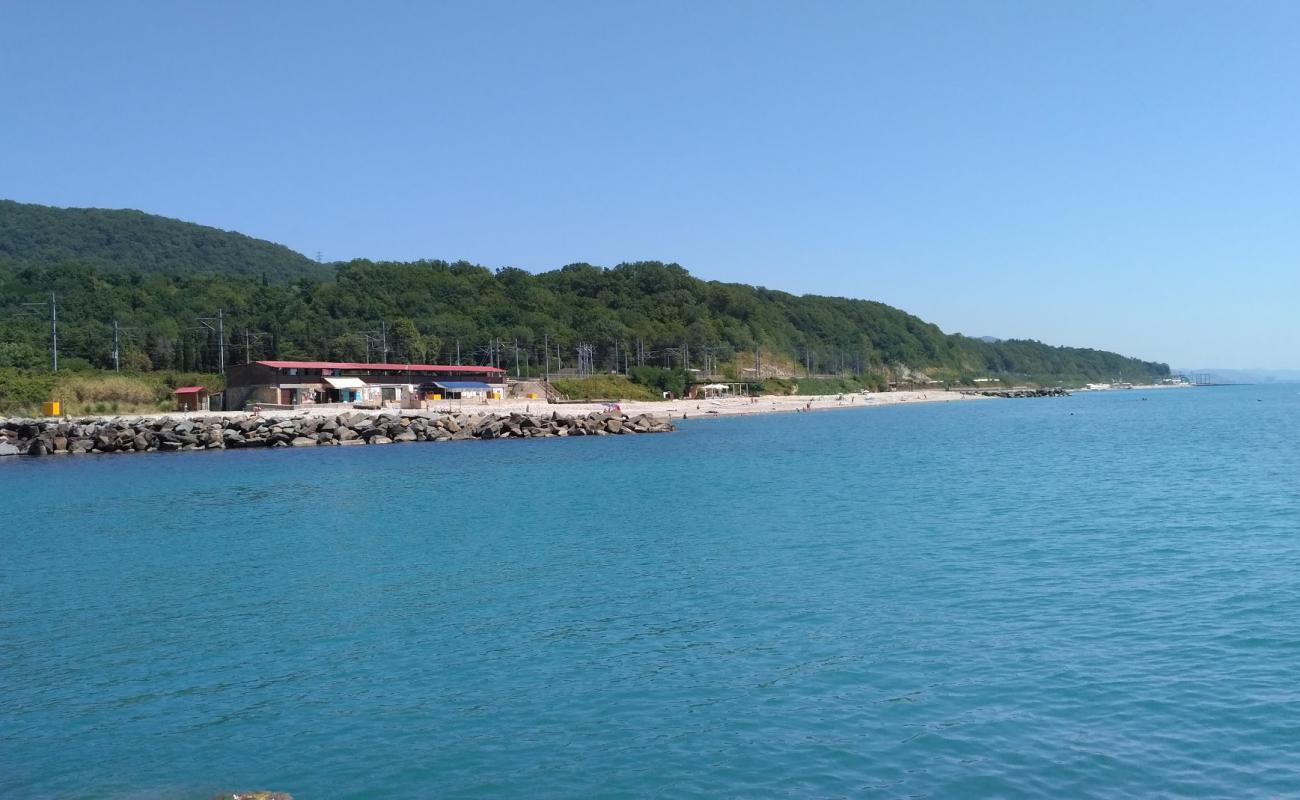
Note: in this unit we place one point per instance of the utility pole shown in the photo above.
(54, 331)
(458, 351)
(54, 327)
(378, 340)
(117, 350)
(546, 351)
(251, 338)
(220, 329)
(516, 357)
(221, 340)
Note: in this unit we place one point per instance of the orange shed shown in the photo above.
(190, 398)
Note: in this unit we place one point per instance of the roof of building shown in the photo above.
(189, 389)
(469, 368)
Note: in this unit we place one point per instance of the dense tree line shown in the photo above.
(133, 241)
(158, 277)
(641, 313)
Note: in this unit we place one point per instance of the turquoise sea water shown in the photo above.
(1096, 596)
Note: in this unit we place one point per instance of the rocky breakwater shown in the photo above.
(1050, 392)
(34, 437)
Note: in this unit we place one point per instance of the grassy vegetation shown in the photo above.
(23, 391)
(604, 387)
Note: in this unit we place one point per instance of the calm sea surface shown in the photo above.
(1096, 596)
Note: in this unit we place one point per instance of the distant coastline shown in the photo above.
(504, 419)
(464, 420)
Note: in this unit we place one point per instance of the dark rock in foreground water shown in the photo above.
(218, 432)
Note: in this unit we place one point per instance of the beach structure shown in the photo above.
(293, 384)
(190, 398)
(713, 390)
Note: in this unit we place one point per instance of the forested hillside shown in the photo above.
(132, 241)
(426, 311)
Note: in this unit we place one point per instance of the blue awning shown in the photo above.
(462, 386)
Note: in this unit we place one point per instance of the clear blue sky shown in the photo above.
(1120, 175)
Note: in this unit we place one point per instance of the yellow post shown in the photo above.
(51, 409)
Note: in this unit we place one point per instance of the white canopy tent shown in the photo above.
(345, 383)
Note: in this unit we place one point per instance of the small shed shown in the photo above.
(190, 398)
(464, 390)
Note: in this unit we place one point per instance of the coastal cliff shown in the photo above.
(34, 437)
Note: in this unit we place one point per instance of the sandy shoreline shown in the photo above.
(736, 406)
(733, 406)
(675, 409)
